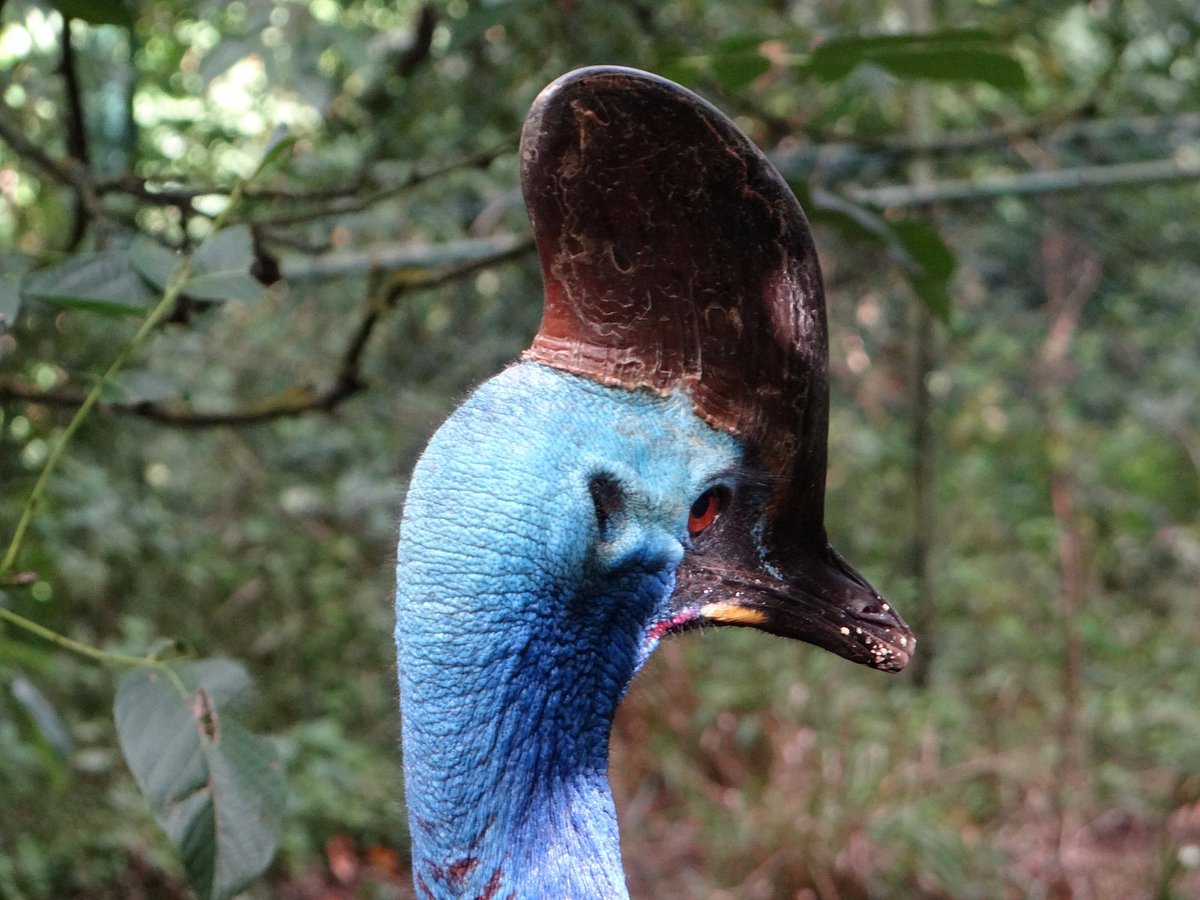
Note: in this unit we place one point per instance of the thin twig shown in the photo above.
(110, 656)
(167, 194)
(290, 403)
(89, 401)
(67, 172)
(403, 255)
(334, 201)
(23, 147)
(513, 251)
(474, 160)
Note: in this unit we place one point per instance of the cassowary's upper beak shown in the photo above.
(675, 258)
(822, 601)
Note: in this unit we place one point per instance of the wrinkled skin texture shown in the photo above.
(541, 536)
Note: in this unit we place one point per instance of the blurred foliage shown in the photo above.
(237, 488)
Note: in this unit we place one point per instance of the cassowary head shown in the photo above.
(656, 463)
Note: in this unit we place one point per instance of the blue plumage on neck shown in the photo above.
(527, 600)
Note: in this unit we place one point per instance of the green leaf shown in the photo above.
(280, 145)
(215, 788)
(96, 12)
(221, 267)
(10, 301)
(851, 219)
(835, 58)
(935, 295)
(680, 69)
(103, 282)
(42, 715)
(927, 262)
(858, 46)
(224, 286)
(156, 263)
(953, 64)
(736, 60)
(952, 55)
(935, 264)
(141, 386)
(737, 70)
(926, 247)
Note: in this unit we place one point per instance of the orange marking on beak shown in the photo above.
(732, 614)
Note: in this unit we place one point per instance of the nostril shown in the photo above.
(873, 609)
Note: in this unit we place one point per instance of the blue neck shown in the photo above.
(506, 771)
(522, 619)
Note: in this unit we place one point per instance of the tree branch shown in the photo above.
(69, 172)
(905, 196)
(174, 195)
(23, 147)
(422, 41)
(77, 144)
(300, 399)
(292, 402)
(336, 201)
(922, 470)
(835, 154)
(404, 255)
(478, 159)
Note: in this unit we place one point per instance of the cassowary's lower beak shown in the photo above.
(821, 601)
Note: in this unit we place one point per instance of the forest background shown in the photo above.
(252, 252)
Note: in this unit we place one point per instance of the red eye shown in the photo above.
(705, 510)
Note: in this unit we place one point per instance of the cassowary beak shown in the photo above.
(676, 259)
(825, 602)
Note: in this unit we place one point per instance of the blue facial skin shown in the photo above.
(521, 619)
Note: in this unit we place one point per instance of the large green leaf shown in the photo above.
(935, 264)
(993, 67)
(221, 267)
(97, 12)
(103, 282)
(215, 788)
(736, 61)
(935, 295)
(926, 247)
(849, 51)
(953, 55)
(154, 262)
(926, 260)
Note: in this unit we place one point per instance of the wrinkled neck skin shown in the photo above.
(523, 615)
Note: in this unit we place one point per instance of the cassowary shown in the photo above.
(654, 464)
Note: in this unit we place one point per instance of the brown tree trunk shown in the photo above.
(922, 471)
(1071, 273)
